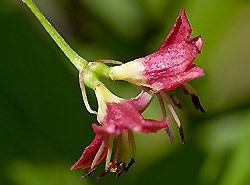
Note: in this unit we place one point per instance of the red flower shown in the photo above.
(167, 68)
(119, 118)
(170, 66)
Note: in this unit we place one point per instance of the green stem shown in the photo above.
(78, 61)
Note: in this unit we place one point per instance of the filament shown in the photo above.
(109, 154)
(171, 109)
(98, 155)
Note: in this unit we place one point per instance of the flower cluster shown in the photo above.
(164, 70)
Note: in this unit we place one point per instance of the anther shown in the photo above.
(182, 134)
(176, 101)
(131, 162)
(197, 104)
(121, 168)
(169, 133)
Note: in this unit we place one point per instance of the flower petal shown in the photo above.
(122, 116)
(141, 102)
(171, 82)
(150, 125)
(180, 32)
(89, 153)
(168, 67)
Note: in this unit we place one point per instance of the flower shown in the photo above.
(167, 68)
(170, 66)
(118, 119)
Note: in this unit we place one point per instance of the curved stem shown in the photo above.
(84, 94)
(75, 59)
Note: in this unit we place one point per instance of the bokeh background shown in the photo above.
(44, 125)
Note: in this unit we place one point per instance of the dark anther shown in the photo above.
(182, 135)
(105, 172)
(121, 168)
(176, 101)
(169, 133)
(197, 104)
(185, 90)
(131, 162)
(91, 170)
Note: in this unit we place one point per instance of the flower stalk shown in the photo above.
(75, 59)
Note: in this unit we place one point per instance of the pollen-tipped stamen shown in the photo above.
(189, 90)
(121, 168)
(169, 133)
(172, 111)
(131, 162)
(84, 94)
(181, 132)
(197, 103)
(164, 115)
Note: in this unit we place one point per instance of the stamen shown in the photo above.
(118, 148)
(113, 166)
(84, 94)
(163, 108)
(169, 133)
(91, 170)
(188, 89)
(121, 169)
(109, 154)
(164, 115)
(98, 155)
(182, 135)
(125, 152)
(132, 143)
(131, 162)
(197, 104)
(176, 101)
(172, 111)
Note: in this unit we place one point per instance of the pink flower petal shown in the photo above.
(169, 67)
(172, 82)
(179, 32)
(123, 116)
(141, 102)
(89, 153)
(151, 125)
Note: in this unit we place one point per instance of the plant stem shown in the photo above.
(76, 60)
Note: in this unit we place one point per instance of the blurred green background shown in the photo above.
(44, 125)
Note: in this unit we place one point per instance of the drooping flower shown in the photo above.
(167, 68)
(170, 66)
(118, 119)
